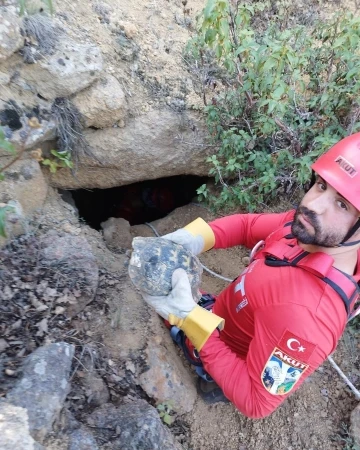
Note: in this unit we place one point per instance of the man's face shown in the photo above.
(323, 217)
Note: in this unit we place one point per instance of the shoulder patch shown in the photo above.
(281, 372)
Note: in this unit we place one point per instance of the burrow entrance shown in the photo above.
(137, 203)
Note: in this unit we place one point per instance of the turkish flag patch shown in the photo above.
(296, 346)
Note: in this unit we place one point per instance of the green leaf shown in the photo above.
(324, 98)
(209, 8)
(218, 51)
(22, 7)
(210, 36)
(339, 41)
(169, 420)
(53, 165)
(50, 6)
(5, 144)
(272, 105)
(269, 64)
(3, 211)
(8, 147)
(279, 91)
(224, 26)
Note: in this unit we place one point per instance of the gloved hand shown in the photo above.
(197, 236)
(180, 309)
(180, 300)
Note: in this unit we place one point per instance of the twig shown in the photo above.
(79, 363)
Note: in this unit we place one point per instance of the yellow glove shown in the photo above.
(197, 236)
(180, 309)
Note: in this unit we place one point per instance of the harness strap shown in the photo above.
(278, 253)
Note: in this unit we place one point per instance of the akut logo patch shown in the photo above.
(346, 166)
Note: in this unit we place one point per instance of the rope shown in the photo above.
(330, 359)
(215, 274)
(344, 377)
(153, 228)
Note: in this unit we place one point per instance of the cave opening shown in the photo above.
(137, 203)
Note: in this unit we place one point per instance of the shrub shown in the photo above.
(280, 97)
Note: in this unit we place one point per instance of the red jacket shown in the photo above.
(280, 322)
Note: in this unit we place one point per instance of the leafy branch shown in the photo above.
(280, 95)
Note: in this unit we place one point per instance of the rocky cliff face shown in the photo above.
(106, 83)
(120, 67)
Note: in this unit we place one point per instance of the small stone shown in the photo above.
(59, 310)
(246, 260)
(130, 366)
(129, 29)
(71, 229)
(3, 345)
(10, 372)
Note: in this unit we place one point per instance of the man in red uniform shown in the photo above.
(284, 314)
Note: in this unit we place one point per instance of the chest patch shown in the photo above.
(281, 372)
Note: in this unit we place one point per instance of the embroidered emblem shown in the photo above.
(296, 347)
(281, 372)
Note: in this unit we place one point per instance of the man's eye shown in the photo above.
(342, 204)
(321, 185)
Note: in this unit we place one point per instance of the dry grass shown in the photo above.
(70, 131)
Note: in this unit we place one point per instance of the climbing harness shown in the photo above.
(319, 265)
(278, 252)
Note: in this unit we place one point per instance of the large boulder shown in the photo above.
(69, 69)
(44, 386)
(162, 143)
(103, 104)
(14, 429)
(10, 36)
(25, 183)
(72, 254)
(167, 378)
(134, 426)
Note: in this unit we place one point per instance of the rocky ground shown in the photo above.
(66, 286)
(84, 364)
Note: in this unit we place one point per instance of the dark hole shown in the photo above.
(10, 116)
(137, 203)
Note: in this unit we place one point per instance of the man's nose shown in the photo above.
(319, 204)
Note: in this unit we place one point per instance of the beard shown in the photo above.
(319, 237)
